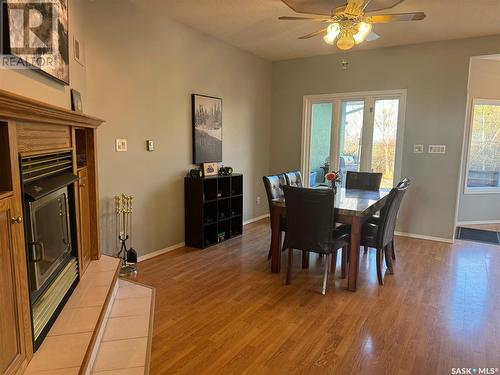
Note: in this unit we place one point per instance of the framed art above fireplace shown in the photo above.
(207, 129)
(43, 46)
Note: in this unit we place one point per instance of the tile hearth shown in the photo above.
(122, 335)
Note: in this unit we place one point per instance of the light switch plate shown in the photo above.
(437, 149)
(121, 145)
(418, 149)
(150, 145)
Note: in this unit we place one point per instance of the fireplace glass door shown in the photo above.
(50, 243)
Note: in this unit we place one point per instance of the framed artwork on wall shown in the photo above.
(39, 41)
(207, 129)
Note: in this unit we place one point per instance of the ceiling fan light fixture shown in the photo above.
(332, 32)
(329, 39)
(346, 42)
(364, 28)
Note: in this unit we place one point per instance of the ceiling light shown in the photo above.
(345, 42)
(364, 29)
(332, 32)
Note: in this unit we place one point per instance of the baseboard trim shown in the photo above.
(182, 244)
(255, 219)
(479, 222)
(160, 252)
(423, 237)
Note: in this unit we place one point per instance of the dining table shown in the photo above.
(353, 207)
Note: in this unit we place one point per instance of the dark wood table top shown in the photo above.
(352, 202)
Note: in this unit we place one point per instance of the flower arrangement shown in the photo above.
(333, 178)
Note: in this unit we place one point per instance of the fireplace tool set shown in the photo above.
(123, 209)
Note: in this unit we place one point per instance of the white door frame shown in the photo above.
(369, 97)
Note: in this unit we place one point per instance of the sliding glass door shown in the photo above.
(353, 132)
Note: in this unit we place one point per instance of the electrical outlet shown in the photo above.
(418, 149)
(121, 145)
(437, 149)
(150, 145)
(257, 201)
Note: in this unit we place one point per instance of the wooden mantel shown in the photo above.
(17, 107)
(31, 128)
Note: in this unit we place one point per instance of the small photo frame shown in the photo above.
(209, 169)
(76, 101)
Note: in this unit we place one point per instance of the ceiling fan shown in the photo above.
(348, 23)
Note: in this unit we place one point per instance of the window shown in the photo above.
(483, 171)
(353, 132)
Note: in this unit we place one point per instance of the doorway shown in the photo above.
(478, 203)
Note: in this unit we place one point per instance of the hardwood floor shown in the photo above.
(221, 311)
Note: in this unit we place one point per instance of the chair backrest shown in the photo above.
(274, 187)
(389, 214)
(294, 178)
(310, 218)
(404, 182)
(363, 180)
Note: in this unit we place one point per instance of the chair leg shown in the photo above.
(380, 253)
(333, 264)
(343, 267)
(366, 249)
(285, 242)
(305, 259)
(325, 275)
(388, 259)
(289, 266)
(393, 251)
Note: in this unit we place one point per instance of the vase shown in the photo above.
(332, 185)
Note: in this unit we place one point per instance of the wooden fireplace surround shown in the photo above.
(29, 127)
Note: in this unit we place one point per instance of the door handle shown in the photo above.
(16, 220)
(38, 251)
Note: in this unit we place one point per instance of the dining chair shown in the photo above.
(405, 182)
(294, 178)
(274, 190)
(380, 235)
(363, 180)
(311, 227)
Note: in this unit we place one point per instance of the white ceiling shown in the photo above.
(253, 25)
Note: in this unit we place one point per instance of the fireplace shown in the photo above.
(50, 218)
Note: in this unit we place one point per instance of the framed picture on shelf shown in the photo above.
(209, 169)
(76, 101)
(207, 129)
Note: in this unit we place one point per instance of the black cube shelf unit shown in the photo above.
(214, 209)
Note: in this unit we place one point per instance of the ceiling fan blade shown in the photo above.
(318, 18)
(377, 5)
(311, 35)
(356, 7)
(324, 7)
(387, 18)
(372, 36)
